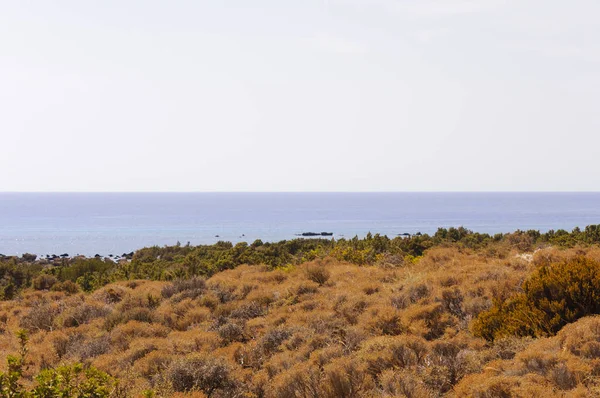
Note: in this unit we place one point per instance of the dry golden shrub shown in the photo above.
(582, 338)
(67, 287)
(203, 373)
(440, 257)
(411, 294)
(152, 364)
(302, 380)
(111, 294)
(384, 320)
(41, 316)
(337, 330)
(78, 312)
(346, 377)
(383, 353)
(122, 335)
(192, 394)
(317, 272)
(550, 255)
(401, 383)
(549, 366)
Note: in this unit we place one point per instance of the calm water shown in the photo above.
(86, 223)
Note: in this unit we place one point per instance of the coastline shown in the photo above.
(98, 223)
(588, 235)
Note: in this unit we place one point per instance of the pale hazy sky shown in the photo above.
(294, 95)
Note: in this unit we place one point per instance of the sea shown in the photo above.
(116, 223)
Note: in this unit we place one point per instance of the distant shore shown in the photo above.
(590, 234)
(117, 223)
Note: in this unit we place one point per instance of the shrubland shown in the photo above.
(453, 314)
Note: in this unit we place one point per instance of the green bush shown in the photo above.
(74, 381)
(44, 282)
(554, 296)
(185, 262)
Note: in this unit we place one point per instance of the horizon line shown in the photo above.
(288, 192)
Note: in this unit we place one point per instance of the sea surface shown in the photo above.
(115, 223)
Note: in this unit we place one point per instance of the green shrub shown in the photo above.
(554, 296)
(10, 382)
(67, 287)
(74, 381)
(44, 282)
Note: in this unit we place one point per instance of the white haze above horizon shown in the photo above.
(311, 95)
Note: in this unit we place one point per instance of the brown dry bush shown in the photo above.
(67, 287)
(273, 339)
(122, 335)
(387, 260)
(92, 348)
(508, 347)
(350, 310)
(77, 346)
(79, 314)
(452, 302)
(383, 353)
(40, 317)
(346, 378)
(185, 288)
(385, 321)
(224, 293)
(411, 295)
(401, 383)
(44, 282)
(152, 364)
(131, 308)
(231, 332)
(434, 320)
(247, 311)
(545, 365)
(317, 273)
(439, 257)
(371, 289)
(520, 241)
(3, 322)
(366, 331)
(63, 343)
(582, 338)
(212, 376)
(303, 380)
(307, 288)
(111, 294)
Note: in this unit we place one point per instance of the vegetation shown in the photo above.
(453, 314)
(555, 295)
(64, 381)
(177, 262)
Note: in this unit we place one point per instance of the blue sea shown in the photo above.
(114, 223)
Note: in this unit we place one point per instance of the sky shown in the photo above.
(311, 95)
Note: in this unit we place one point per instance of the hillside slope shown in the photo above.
(319, 329)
